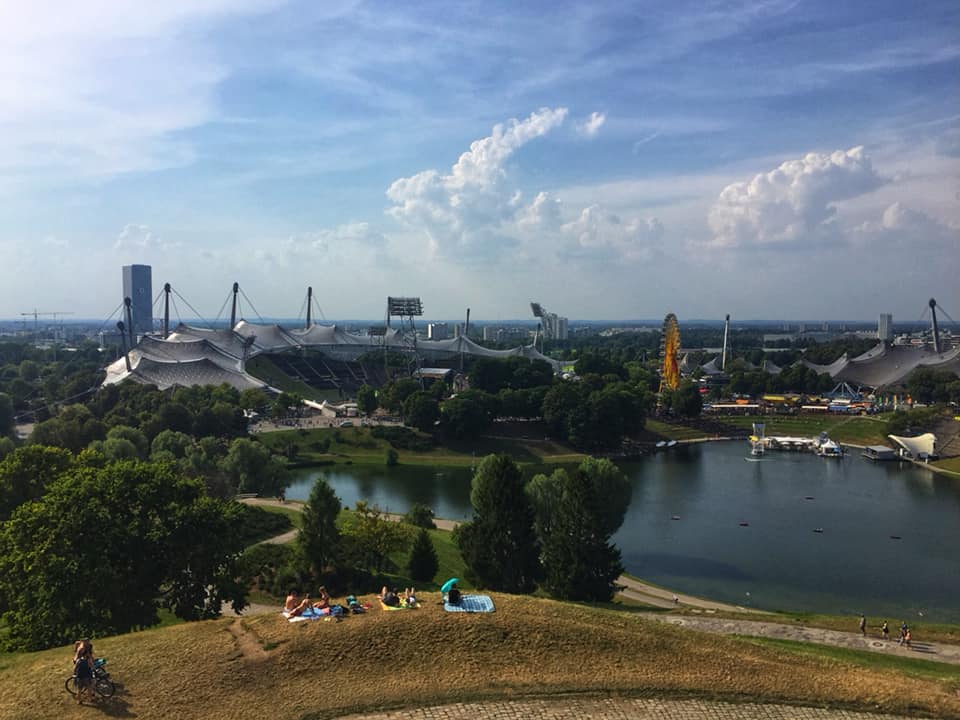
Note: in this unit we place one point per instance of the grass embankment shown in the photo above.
(357, 445)
(853, 429)
(249, 668)
(666, 431)
(951, 465)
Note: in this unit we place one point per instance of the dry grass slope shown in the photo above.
(265, 667)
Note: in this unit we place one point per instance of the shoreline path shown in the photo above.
(639, 591)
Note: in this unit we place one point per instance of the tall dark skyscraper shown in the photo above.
(138, 286)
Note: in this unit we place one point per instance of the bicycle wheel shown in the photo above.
(105, 687)
(70, 685)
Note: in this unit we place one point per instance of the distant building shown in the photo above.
(885, 327)
(438, 331)
(490, 332)
(555, 327)
(138, 286)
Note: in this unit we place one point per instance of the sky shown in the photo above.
(614, 160)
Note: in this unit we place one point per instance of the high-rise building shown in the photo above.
(555, 327)
(437, 331)
(138, 286)
(885, 327)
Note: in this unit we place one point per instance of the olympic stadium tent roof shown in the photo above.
(885, 364)
(197, 356)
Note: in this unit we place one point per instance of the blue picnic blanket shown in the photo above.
(472, 604)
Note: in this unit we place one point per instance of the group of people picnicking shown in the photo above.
(297, 605)
(904, 638)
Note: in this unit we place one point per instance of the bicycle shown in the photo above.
(102, 685)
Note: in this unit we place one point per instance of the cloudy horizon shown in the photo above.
(768, 160)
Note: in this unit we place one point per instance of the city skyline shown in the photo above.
(768, 160)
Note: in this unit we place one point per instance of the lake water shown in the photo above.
(777, 561)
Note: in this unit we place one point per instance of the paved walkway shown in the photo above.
(615, 708)
(937, 652)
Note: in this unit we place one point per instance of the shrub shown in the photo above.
(402, 438)
(392, 457)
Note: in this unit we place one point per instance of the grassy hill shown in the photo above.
(263, 666)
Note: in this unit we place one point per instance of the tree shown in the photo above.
(176, 443)
(319, 538)
(686, 400)
(373, 537)
(136, 438)
(392, 457)
(26, 472)
(6, 415)
(419, 515)
(469, 413)
(112, 540)
(253, 469)
(367, 399)
(575, 519)
(499, 546)
(421, 410)
(423, 563)
(395, 394)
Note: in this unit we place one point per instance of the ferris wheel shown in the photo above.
(670, 354)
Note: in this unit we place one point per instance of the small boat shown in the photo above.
(818, 530)
(808, 497)
(674, 517)
(672, 443)
(896, 537)
(744, 523)
(661, 444)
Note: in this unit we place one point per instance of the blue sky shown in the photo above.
(767, 159)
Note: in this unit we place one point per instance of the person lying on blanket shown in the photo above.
(409, 597)
(389, 597)
(294, 604)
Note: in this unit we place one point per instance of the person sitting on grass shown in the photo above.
(453, 595)
(324, 601)
(294, 606)
(390, 598)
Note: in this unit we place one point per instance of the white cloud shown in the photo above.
(591, 126)
(794, 203)
(905, 228)
(98, 87)
(599, 234)
(464, 212)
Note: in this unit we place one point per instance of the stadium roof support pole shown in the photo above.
(129, 308)
(233, 307)
(726, 330)
(309, 305)
(466, 334)
(123, 343)
(166, 310)
(936, 330)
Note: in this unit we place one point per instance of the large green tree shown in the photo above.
(576, 515)
(499, 545)
(319, 537)
(106, 545)
(367, 399)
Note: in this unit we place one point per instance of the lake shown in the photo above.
(776, 561)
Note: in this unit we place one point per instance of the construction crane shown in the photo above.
(36, 315)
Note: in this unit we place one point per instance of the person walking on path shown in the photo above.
(885, 630)
(863, 625)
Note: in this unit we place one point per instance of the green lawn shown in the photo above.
(951, 464)
(357, 445)
(673, 432)
(923, 669)
(855, 429)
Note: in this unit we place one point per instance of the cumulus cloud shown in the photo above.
(903, 227)
(139, 238)
(591, 126)
(599, 234)
(465, 211)
(795, 202)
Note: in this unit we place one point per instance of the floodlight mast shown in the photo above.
(405, 308)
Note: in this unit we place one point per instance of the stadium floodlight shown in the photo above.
(537, 309)
(404, 306)
(377, 330)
